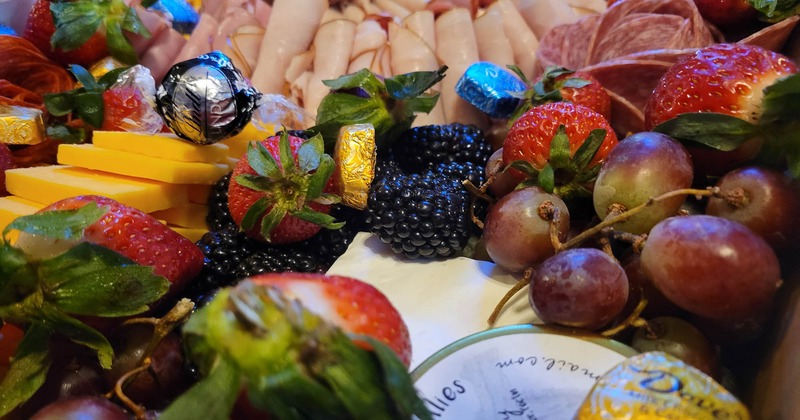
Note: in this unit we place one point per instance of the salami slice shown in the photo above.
(632, 79)
(14, 95)
(773, 37)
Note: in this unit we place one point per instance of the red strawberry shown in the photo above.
(726, 13)
(354, 306)
(560, 84)
(723, 78)
(40, 28)
(6, 162)
(531, 139)
(280, 198)
(140, 237)
(83, 31)
(122, 107)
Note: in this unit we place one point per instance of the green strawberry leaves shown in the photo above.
(718, 131)
(288, 185)
(44, 294)
(547, 89)
(389, 105)
(77, 21)
(565, 174)
(290, 362)
(775, 10)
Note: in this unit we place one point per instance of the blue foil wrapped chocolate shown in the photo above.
(184, 17)
(488, 87)
(206, 99)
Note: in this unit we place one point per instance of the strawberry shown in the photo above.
(726, 13)
(278, 190)
(6, 162)
(560, 84)
(729, 103)
(122, 107)
(140, 237)
(723, 78)
(561, 143)
(355, 306)
(83, 31)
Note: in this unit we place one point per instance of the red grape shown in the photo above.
(503, 182)
(642, 166)
(768, 203)
(515, 235)
(95, 408)
(711, 266)
(680, 339)
(582, 287)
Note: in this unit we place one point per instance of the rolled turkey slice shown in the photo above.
(369, 36)
(291, 29)
(392, 8)
(155, 24)
(523, 41)
(409, 53)
(493, 45)
(333, 45)
(362, 61)
(422, 23)
(200, 40)
(543, 15)
(413, 5)
(354, 13)
(161, 55)
(457, 47)
(241, 46)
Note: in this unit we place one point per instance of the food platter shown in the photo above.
(471, 268)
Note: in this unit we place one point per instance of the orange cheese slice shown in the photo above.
(148, 167)
(189, 215)
(237, 144)
(164, 146)
(48, 184)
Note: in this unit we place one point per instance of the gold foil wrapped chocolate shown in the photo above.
(21, 125)
(656, 386)
(355, 155)
(100, 68)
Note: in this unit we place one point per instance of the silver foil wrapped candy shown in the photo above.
(206, 99)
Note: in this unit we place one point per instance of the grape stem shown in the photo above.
(524, 281)
(139, 412)
(475, 193)
(634, 319)
(613, 219)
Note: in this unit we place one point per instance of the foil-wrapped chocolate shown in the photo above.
(21, 125)
(655, 385)
(355, 154)
(490, 88)
(206, 99)
(100, 68)
(183, 15)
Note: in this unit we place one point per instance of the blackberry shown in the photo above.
(219, 216)
(420, 215)
(461, 171)
(223, 250)
(277, 259)
(329, 244)
(419, 147)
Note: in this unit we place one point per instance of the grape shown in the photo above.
(166, 376)
(657, 303)
(515, 235)
(503, 182)
(642, 166)
(769, 204)
(95, 408)
(582, 287)
(680, 339)
(711, 266)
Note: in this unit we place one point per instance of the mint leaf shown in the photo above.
(92, 280)
(718, 131)
(410, 85)
(398, 383)
(75, 23)
(28, 369)
(422, 104)
(775, 10)
(90, 107)
(59, 104)
(340, 109)
(212, 398)
(363, 79)
(781, 100)
(59, 224)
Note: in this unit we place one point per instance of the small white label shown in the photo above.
(515, 376)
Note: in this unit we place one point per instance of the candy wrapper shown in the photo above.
(183, 15)
(654, 386)
(490, 88)
(100, 68)
(206, 99)
(21, 125)
(355, 155)
(137, 79)
(277, 110)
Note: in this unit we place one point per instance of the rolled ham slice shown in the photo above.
(369, 36)
(422, 24)
(200, 41)
(543, 15)
(392, 8)
(457, 47)
(523, 41)
(242, 47)
(291, 29)
(154, 22)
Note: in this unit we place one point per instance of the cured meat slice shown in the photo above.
(652, 30)
(773, 37)
(617, 75)
(566, 45)
(15, 95)
(24, 65)
(625, 117)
